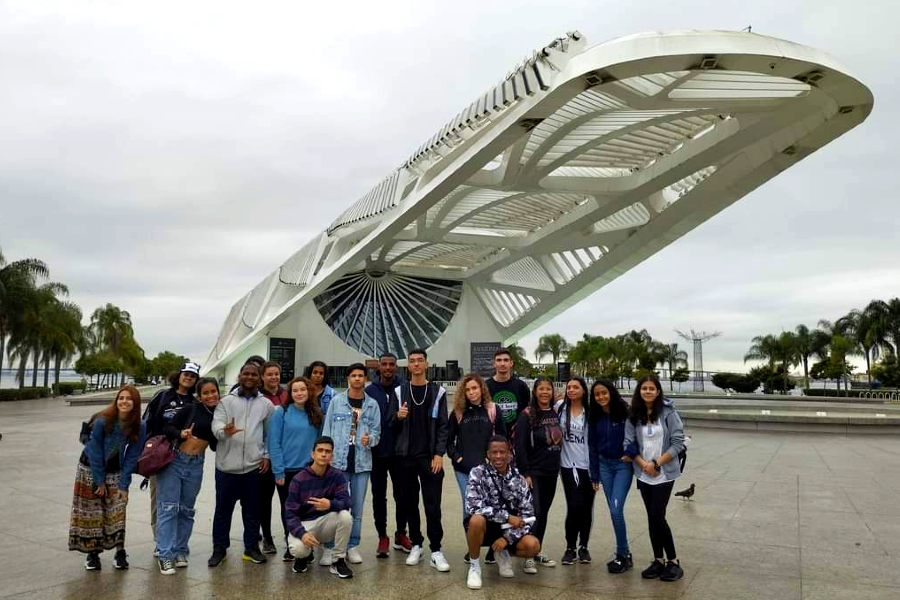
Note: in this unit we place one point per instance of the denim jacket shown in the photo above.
(338, 422)
(101, 445)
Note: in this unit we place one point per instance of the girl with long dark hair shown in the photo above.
(538, 450)
(574, 411)
(609, 465)
(293, 429)
(317, 373)
(178, 485)
(654, 436)
(102, 479)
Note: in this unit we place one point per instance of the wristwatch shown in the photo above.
(656, 465)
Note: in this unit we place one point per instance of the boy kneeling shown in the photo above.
(317, 510)
(498, 502)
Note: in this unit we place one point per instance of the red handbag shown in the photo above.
(156, 456)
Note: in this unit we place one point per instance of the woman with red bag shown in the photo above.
(103, 477)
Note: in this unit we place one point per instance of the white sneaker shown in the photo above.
(327, 557)
(181, 562)
(504, 563)
(439, 562)
(529, 567)
(353, 556)
(415, 556)
(545, 561)
(473, 581)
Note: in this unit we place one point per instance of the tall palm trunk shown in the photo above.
(37, 366)
(56, 366)
(2, 351)
(46, 370)
(23, 364)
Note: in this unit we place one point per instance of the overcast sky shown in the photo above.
(166, 156)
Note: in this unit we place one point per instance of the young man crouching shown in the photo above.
(317, 510)
(498, 502)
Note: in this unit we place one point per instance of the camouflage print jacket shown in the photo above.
(496, 497)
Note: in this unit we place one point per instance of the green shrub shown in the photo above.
(28, 393)
(67, 388)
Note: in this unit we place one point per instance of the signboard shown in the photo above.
(481, 356)
(563, 371)
(453, 373)
(282, 351)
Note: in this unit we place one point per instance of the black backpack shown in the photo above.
(86, 428)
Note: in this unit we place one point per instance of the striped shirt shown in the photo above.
(305, 485)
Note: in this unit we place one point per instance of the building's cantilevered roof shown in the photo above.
(578, 165)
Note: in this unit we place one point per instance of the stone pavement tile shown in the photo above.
(831, 590)
(826, 497)
(754, 512)
(762, 533)
(838, 531)
(716, 583)
(631, 585)
(877, 502)
(495, 588)
(664, 594)
(739, 556)
(20, 575)
(851, 567)
(690, 511)
(133, 584)
(886, 530)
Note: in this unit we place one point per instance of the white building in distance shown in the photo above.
(575, 167)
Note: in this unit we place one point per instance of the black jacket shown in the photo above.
(385, 445)
(469, 437)
(538, 447)
(164, 406)
(438, 426)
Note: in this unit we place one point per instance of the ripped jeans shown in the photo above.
(177, 487)
(616, 475)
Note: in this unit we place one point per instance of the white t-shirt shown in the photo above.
(652, 442)
(575, 444)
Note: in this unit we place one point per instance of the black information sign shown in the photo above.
(453, 373)
(282, 351)
(563, 371)
(482, 357)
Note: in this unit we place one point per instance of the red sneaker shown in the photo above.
(384, 545)
(401, 542)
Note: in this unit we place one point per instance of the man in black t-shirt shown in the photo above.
(509, 393)
(418, 417)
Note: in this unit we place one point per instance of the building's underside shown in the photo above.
(576, 167)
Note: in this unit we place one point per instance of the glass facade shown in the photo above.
(388, 312)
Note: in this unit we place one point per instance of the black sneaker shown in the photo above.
(269, 547)
(287, 557)
(252, 554)
(166, 566)
(489, 557)
(120, 560)
(569, 557)
(218, 556)
(92, 562)
(583, 555)
(620, 564)
(300, 565)
(340, 568)
(655, 569)
(672, 572)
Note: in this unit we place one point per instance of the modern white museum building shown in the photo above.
(575, 167)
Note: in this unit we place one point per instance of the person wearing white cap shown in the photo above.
(164, 405)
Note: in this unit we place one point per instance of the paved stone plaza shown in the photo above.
(775, 516)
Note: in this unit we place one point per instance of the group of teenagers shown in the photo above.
(320, 449)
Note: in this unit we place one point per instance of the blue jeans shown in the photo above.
(177, 487)
(462, 480)
(359, 484)
(615, 475)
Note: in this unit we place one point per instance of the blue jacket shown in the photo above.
(325, 398)
(385, 447)
(101, 445)
(673, 441)
(337, 426)
(291, 439)
(606, 439)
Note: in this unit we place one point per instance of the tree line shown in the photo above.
(40, 326)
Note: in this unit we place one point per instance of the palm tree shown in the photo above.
(111, 330)
(65, 339)
(30, 335)
(673, 358)
(553, 344)
(809, 343)
(866, 330)
(773, 349)
(17, 279)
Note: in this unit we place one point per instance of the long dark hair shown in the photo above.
(585, 403)
(618, 408)
(174, 378)
(312, 408)
(307, 372)
(639, 407)
(533, 407)
(131, 426)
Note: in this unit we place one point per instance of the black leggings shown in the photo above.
(656, 498)
(543, 490)
(579, 506)
(266, 491)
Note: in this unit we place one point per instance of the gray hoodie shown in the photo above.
(244, 451)
(673, 441)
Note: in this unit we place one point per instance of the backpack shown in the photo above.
(156, 456)
(84, 436)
